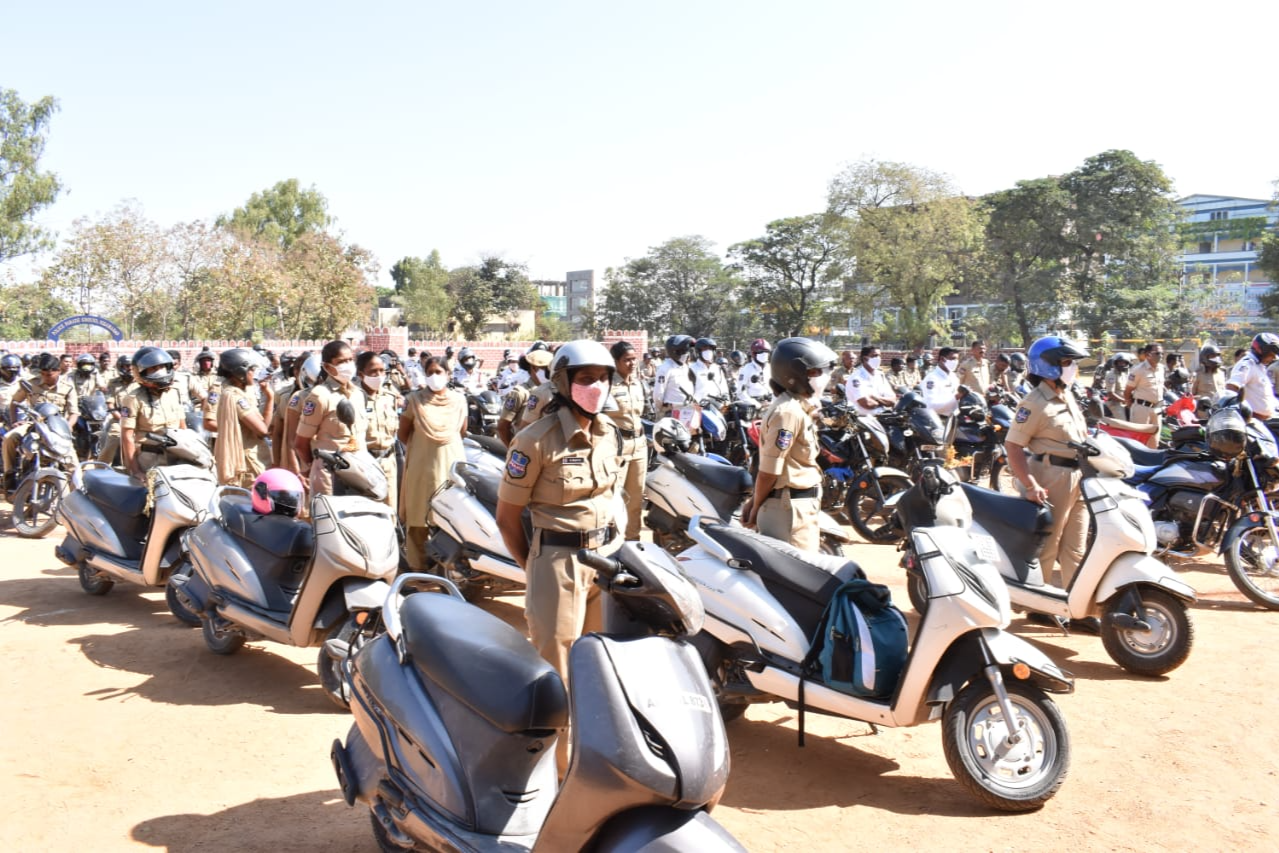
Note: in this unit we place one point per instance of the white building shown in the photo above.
(1221, 237)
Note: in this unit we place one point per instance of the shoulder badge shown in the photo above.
(929, 384)
(213, 398)
(509, 405)
(127, 411)
(784, 438)
(517, 465)
(532, 403)
(1023, 414)
(243, 404)
(308, 409)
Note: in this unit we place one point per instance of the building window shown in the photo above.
(1205, 247)
(1219, 214)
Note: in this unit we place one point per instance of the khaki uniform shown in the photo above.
(62, 394)
(568, 478)
(1211, 385)
(182, 381)
(320, 424)
(975, 374)
(901, 378)
(146, 411)
(910, 377)
(7, 390)
(117, 390)
(788, 448)
(381, 413)
(86, 384)
(1044, 424)
(838, 377)
(1147, 384)
(514, 404)
(233, 406)
(292, 418)
(201, 384)
(524, 405)
(627, 417)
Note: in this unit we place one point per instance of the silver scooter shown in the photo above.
(119, 530)
(288, 580)
(456, 720)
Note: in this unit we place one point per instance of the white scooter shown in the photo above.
(1145, 627)
(119, 530)
(464, 543)
(1004, 739)
(683, 485)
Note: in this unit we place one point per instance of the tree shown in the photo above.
(913, 239)
(329, 287)
(281, 214)
(793, 273)
(679, 287)
(29, 310)
(494, 288)
(24, 189)
(421, 292)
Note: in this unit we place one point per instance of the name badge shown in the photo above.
(573, 460)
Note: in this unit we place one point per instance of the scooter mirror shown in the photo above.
(346, 413)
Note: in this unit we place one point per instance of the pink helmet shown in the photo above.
(760, 345)
(277, 491)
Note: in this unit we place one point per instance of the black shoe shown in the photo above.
(1043, 619)
(1087, 625)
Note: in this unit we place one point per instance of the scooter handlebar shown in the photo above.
(606, 566)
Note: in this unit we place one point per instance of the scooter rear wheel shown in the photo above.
(180, 611)
(867, 507)
(92, 582)
(1013, 778)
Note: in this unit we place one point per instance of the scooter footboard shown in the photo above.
(974, 651)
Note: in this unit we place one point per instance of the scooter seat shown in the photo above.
(490, 444)
(116, 491)
(276, 534)
(483, 663)
(1018, 525)
(483, 484)
(728, 479)
(1142, 456)
(802, 582)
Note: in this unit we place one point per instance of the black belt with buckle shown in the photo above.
(626, 433)
(1059, 461)
(579, 538)
(1143, 403)
(794, 493)
(381, 454)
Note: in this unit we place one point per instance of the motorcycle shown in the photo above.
(291, 581)
(738, 448)
(121, 531)
(1218, 500)
(482, 412)
(684, 485)
(977, 435)
(1004, 739)
(856, 481)
(1145, 627)
(456, 718)
(47, 470)
(91, 424)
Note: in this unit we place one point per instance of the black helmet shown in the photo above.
(10, 366)
(537, 345)
(124, 364)
(737, 357)
(47, 361)
(390, 357)
(1227, 433)
(205, 355)
(678, 347)
(86, 362)
(792, 359)
(705, 343)
(26, 359)
(910, 400)
(104, 358)
(153, 367)
(1124, 358)
(237, 363)
(466, 358)
(1266, 343)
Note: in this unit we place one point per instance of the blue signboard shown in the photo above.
(85, 320)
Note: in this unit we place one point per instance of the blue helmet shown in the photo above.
(1045, 356)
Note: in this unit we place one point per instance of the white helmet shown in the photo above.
(312, 369)
(670, 435)
(575, 354)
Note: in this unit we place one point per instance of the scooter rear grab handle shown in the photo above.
(391, 607)
(216, 497)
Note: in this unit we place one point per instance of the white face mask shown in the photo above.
(437, 381)
(1069, 372)
(819, 383)
(950, 364)
(708, 355)
(871, 362)
(373, 382)
(761, 358)
(345, 371)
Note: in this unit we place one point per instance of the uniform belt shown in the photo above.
(1148, 404)
(1059, 461)
(794, 493)
(579, 538)
(626, 433)
(381, 454)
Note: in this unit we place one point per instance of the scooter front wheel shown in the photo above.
(183, 613)
(868, 510)
(1012, 777)
(220, 637)
(1162, 648)
(330, 668)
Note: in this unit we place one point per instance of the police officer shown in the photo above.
(310, 373)
(152, 405)
(1250, 377)
(1210, 380)
(866, 388)
(787, 500)
(752, 379)
(50, 386)
(673, 387)
(516, 408)
(382, 415)
(326, 423)
(1144, 393)
(467, 375)
(974, 371)
(839, 376)
(941, 385)
(629, 397)
(117, 389)
(565, 469)
(241, 451)
(709, 379)
(1047, 420)
(204, 378)
(10, 376)
(85, 376)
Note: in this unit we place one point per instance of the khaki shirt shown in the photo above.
(839, 376)
(320, 418)
(1045, 422)
(182, 382)
(565, 475)
(244, 403)
(788, 443)
(86, 385)
(7, 390)
(1147, 383)
(1115, 382)
(975, 374)
(117, 390)
(629, 396)
(1208, 384)
(145, 411)
(202, 383)
(910, 377)
(381, 413)
(514, 404)
(535, 405)
(62, 394)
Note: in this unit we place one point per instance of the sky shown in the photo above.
(575, 135)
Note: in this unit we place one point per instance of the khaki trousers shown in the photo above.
(793, 520)
(109, 445)
(1069, 535)
(1142, 414)
(415, 547)
(633, 477)
(387, 464)
(11, 440)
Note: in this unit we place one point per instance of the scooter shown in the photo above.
(121, 531)
(1004, 739)
(456, 719)
(1142, 602)
(684, 485)
(287, 580)
(463, 539)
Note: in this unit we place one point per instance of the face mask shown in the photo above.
(872, 362)
(437, 381)
(1069, 372)
(819, 383)
(345, 372)
(950, 364)
(708, 355)
(589, 397)
(373, 382)
(761, 358)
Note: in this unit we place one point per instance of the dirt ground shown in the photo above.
(122, 732)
